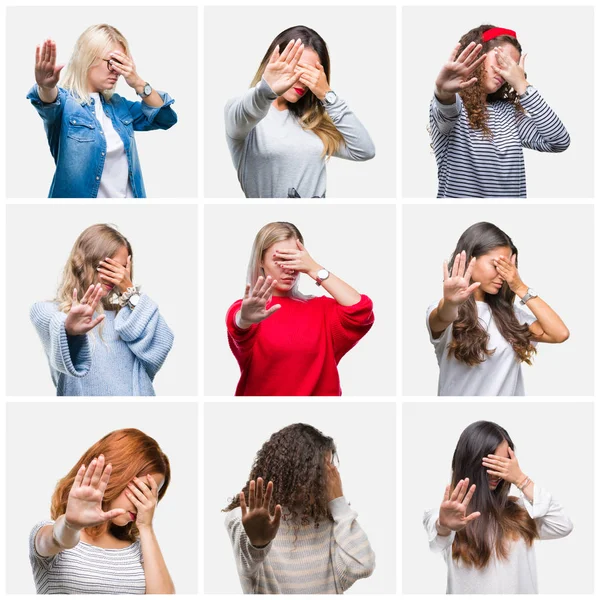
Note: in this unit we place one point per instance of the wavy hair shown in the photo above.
(469, 337)
(309, 111)
(473, 97)
(294, 460)
(131, 453)
(502, 519)
(90, 47)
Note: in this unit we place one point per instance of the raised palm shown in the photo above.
(280, 72)
(254, 305)
(453, 510)
(84, 505)
(47, 72)
(456, 74)
(258, 523)
(81, 319)
(458, 286)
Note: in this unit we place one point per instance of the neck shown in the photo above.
(280, 103)
(281, 294)
(479, 295)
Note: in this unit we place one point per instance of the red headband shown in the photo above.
(495, 32)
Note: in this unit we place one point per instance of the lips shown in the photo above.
(132, 516)
(300, 91)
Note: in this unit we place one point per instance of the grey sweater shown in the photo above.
(275, 157)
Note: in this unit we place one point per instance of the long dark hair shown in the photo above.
(469, 338)
(308, 110)
(294, 460)
(472, 97)
(502, 519)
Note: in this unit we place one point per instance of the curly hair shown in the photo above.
(473, 97)
(294, 460)
(469, 338)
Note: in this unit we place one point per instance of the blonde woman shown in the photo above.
(283, 130)
(101, 335)
(90, 127)
(288, 344)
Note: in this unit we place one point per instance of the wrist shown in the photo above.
(520, 86)
(442, 529)
(144, 527)
(139, 85)
(320, 94)
(520, 289)
(313, 271)
(240, 321)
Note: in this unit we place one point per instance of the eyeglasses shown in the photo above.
(108, 62)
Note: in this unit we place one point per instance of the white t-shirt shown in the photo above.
(114, 182)
(498, 375)
(518, 573)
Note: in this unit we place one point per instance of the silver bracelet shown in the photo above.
(524, 484)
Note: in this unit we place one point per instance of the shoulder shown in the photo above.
(42, 310)
(33, 534)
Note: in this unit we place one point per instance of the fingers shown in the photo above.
(268, 494)
(274, 55)
(259, 492)
(153, 485)
(97, 471)
(277, 517)
(287, 50)
(247, 291)
(97, 295)
(472, 517)
(74, 299)
(133, 498)
(242, 498)
(472, 288)
(445, 268)
(454, 52)
(522, 61)
(79, 477)
(472, 55)
(128, 265)
(37, 55)
(470, 269)
(455, 265)
(446, 494)
(286, 252)
(456, 491)
(252, 495)
(266, 286)
(113, 514)
(297, 55)
(272, 309)
(133, 489)
(96, 322)
(463, 491)
(476, 63)
(293, 57)
(496, 473)
(462, 263)
(105, 478)
(469, 495)
(466, 52)
(88, 293)
(513, 260)
(511, 453)
(467, 84)
(144, 487)
(258, 285)
(88, 474)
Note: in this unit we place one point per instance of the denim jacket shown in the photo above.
(78, 145)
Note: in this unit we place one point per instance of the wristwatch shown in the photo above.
(133, 300)
(146, 91)
(322, 275)
(330, 98)
(528, 91)
(528, 296)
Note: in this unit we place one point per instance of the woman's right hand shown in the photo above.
(80, 319)
(455, 75)
(84, 505)
(260, 527)
(280, 72)
(47, 72)
(253, 309)
(457, 287)
(453, 510)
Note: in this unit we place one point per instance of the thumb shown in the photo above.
(112, 514)
(510, 452)
(59, 68)
(299, 244)
(319, 65)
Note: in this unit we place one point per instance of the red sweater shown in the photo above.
(295, 351)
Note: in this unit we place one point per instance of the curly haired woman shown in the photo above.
(482, 115)
(320, 549)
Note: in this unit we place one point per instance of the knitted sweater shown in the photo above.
(325, 560)
(276, 158)
(124, 362)
(295, 351)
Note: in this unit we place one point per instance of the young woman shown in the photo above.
(288, 344)
(320, 548)
(485, 535)
(479, 335)
(113, 340)
(100, 539)
(483, 113)
(90, 127)
(283, 130)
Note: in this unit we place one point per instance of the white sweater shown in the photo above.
(325, 560)
(517, 574)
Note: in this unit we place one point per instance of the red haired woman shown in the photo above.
(100, 539)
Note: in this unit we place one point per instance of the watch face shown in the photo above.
(147, 89)
(134, 299)
(531, 292)
(323, 274)
(330, 97)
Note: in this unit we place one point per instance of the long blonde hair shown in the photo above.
(268, 235)
(309, 111)
(93, 245)
(91, 46)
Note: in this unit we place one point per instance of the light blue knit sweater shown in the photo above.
(134, 345)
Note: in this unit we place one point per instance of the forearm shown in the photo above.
(553, 328)
(55, 538)
(158, 580)
(444, 97)
(153, 99)
(341, 292)
(47, 95)
(444, 315)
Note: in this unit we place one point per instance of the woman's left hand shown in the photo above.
(116, 274)
(505, 468)
(296, 260)
(144, 496)
(124, 65)
(507, 269)
(314, 79)
(334, 482)
(513, 73)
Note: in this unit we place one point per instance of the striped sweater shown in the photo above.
(134, 345)
(473, 166)
(323, 560)
(87, 569)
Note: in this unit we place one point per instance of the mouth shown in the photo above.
(300, 91)
(499, 80)
(108, 286)
(494, 482)
(132, 516)
(497, 285)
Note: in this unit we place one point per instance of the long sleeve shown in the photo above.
(146, 333)
(51, 114)
(552, 523)
(443, 117)
(353, 557)
(67, 354)
(243, 114)
(540, 129)
(358, 143)
(348, 324)
(437, 543)
(149, 118)
(240, 340)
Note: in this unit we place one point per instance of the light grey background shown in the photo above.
(163, 41)
(554, 446)
(44, 441)
(556, 249)
(346, 239)
(568, 174)
(39, 241)
(367, 470)
(362, 48)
